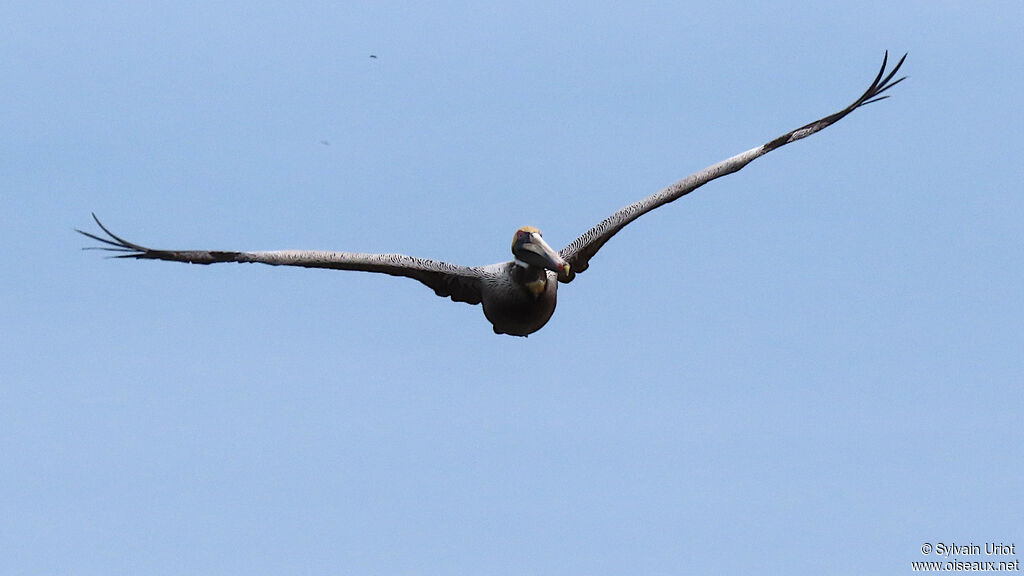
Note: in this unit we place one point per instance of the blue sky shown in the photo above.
(810, 366)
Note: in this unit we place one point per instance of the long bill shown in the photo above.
(537, 252)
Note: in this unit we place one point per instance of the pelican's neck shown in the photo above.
(534, 279)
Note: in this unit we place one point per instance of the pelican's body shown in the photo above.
(518, 296)
(518, 300)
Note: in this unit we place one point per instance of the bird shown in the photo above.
(518, 296)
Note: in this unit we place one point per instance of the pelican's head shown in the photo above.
(530, 248)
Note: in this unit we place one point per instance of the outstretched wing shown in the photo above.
(581, 250)
(460, 283)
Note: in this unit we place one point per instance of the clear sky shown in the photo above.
(812, 366)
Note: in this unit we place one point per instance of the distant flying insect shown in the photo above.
(518, 296)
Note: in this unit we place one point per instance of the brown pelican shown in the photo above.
(518, 296)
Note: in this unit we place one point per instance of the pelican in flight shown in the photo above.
(518, 296)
